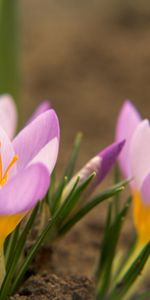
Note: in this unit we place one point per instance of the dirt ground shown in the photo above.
(86, 57)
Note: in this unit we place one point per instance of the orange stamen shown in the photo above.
(13, 161)
(4, 177)
(141, 214)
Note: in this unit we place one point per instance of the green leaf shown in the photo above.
(102, 257)
(131, 275)
(60, 213)
(12, 261)
(73, 197)
(29, 258)
(109, 250)
(56, 198)
(117, 196)
(90, 205)
(74, 155)
(10, 250)
(144, 296)
(125, 258)
(49, 228)
(9, 48)
(51, 191)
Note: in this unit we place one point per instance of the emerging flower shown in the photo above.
(25, 167)
(135, 163)
(100, 164)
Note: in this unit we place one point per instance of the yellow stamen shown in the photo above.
(8, 223)
(15, 158)
(4, 177)
(141, 213)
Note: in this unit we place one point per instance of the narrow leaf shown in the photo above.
(12, 263)
(73, 197)
(29, 258)
(109, 249)
(117, 196)
(103, 256)
(74, 155)
(131, 275)
(89, 206)
(11, 246)
(49, 228)
(56, 198)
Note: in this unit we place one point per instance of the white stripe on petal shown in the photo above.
(139, 153)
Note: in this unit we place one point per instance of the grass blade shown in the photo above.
(73, 197)
(89, 206)
(12, 264)
(10, 250)
(51, 190)
(74, 155)
(116, 198)
(49, 228)
(103, 258)
(109, 250)
(144, 296)
(55, 200)
(125, 258)
(31, 255)
(131, 275)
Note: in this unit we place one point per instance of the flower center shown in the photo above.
(141, 214)
(4, 177)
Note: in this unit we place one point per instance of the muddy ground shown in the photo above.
(86, 57)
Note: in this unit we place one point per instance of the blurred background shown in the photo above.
(86, 57)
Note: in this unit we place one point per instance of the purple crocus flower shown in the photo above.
(42, 107)
(101, 164)
(9, 115)
(135, 163)
(26, 164)
(128, 120)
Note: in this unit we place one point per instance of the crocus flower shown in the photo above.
(9, 116)
(42, 107)
(100, 164)
(135, 163)
(25, 167)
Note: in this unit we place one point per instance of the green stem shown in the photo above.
(9, 48)
(2, 265)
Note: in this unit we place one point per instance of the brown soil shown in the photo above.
(87, 59)
(53, 287)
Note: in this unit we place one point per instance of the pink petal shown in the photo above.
(109, 156)
(101, 164)
(145, 190)
(24, 190)
(7, 152)
(48, 154)
(128, 121)
(140, 153)
(42, 107)
(8, 115)
(35, 136)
